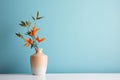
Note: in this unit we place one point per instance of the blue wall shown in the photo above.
(81, 35)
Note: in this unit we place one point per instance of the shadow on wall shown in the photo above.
(11, 56)
(5, 69)
(4, 65)
(8, 52)
(9, 66)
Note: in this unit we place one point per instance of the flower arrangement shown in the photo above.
(32, 39)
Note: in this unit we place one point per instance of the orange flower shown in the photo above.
(28, 42)
(40, 39)
(33, 31)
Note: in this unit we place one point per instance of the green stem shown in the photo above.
(34, 42)
(35, 22)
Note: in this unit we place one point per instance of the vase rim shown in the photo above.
(39, 50)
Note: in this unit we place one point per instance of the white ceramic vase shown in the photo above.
(39, 62)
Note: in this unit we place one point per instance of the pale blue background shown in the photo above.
(81, 35)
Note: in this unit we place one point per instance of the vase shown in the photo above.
(39, 62)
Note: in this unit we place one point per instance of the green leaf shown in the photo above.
(37, 14)
(23, 24)
(33, 18)
(32, 45)
(19, 35)
(28, 23)
(40, 18)
(28, 33)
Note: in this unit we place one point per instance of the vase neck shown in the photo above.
(39, 51)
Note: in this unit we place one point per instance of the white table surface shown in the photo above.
(64, 76)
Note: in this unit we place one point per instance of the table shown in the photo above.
(63, 76)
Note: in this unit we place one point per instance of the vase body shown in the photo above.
(39, 62)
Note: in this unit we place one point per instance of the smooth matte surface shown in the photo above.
(97, 76)
(81, 35)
